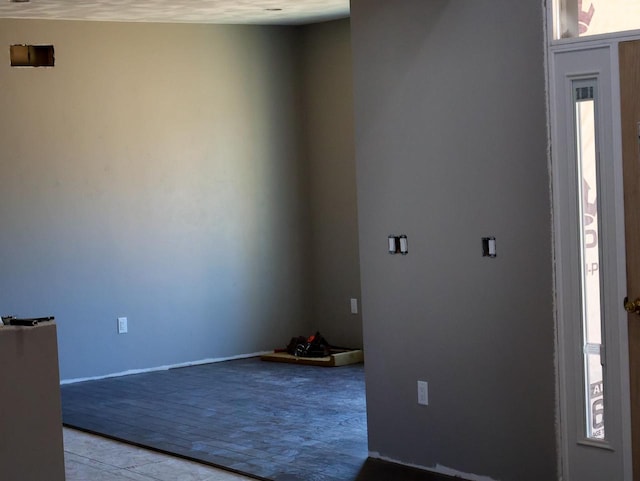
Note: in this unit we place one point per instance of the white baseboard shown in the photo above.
(164, 368)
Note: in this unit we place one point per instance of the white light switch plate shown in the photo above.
(354, 306)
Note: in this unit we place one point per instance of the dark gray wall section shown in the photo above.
(155, 173)
(328, 134)
(450, 147)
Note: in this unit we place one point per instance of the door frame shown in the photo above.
(593, 57)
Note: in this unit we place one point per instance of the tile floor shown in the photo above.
(270, 420)
(247, 414)
(93, 458)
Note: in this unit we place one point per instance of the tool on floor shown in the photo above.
(312, 346)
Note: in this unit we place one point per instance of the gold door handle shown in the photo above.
(632, 307)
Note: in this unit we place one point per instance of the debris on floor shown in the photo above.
(315, 351)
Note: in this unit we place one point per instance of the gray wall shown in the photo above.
(174, 174)
(328, 133)
(451, 147)
(155, 172)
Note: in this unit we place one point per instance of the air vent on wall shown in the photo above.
(31, 55)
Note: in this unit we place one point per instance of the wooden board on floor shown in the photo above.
(334, 360)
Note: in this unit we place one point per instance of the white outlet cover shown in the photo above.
(423, 393)
(123, 328)
(354, 305)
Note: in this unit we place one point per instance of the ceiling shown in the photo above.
(265, 12)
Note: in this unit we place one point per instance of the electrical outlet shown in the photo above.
(423, 393)
(123, 327)
(354, 306)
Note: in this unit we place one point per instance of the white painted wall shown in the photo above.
(328, 132)
(155, 173)
(167, 173)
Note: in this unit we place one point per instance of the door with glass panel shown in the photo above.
(591, 44)
(589, 240)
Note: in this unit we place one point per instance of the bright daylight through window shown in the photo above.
(579, 18)
(591, 281)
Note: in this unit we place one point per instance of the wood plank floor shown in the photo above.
(266, 420)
